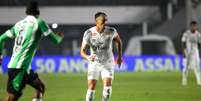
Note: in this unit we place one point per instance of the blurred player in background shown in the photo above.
(190, 43)
(101, 60)
(27, 34)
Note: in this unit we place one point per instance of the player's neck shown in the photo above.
(100, 28)
(193, 31)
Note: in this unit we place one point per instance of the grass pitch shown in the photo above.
(136, 86)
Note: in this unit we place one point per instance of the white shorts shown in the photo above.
(95, 71)
(193, 61)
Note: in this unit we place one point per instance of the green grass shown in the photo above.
(140, 86)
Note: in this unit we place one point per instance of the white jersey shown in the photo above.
(192, 40)
(101, 44)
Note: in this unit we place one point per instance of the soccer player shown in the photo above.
(190, 43)
(27, 34)
(101, 60)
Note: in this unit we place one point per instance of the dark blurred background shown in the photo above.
(145, 26)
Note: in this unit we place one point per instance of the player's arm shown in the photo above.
(83, 51)
(54, 37)
(9, 34)
(118, 44)
(183, 44)
(85, 46)
(199, 41)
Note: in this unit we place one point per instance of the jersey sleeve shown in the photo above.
(3, 38)
(44, 28)
(85, 39)
(11, 32)
(55, 38)
(184, 37)
(115, 34)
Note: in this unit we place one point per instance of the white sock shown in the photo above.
(90, 95)
(197, 75)
(107, 91)
(36, 99)
(184, 78)
(185, 75)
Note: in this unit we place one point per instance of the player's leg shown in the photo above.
(196, 70)
(91, 90)
(107, 77)
(15, 84)
(35, 82)
(93, 76)
(39, 89)
(12, 97)
(186, 67)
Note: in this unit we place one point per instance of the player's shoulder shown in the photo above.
(187, 32)
(88, 31)
(109, 28)
(92, 29)
(31, 18)
(198, 32)
(39, 20)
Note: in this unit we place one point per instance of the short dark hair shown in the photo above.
(32, 8)
(100, 14)
(193, 23)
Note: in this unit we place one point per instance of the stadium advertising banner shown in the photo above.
(75, 64)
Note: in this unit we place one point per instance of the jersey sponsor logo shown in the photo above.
(94, 35)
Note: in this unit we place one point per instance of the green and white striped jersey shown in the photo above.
(27, 33)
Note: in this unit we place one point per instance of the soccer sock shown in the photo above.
(90, 95)
(197, 75)
(36, 99)
(107, 91)
(184, 76)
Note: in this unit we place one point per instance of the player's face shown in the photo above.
(193, 27)
(101, 20)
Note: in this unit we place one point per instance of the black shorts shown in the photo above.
(17, 80)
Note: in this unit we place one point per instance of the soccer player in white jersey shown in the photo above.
(190, 43)
(101, 60)
(27, 34)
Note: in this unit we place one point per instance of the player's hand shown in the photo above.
(60, 34)
(119, 61)
(92, 57)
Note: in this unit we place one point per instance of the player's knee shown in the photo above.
(92, 84)
(107, 82)
(13, 97)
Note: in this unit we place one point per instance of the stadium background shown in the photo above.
(150, 30)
